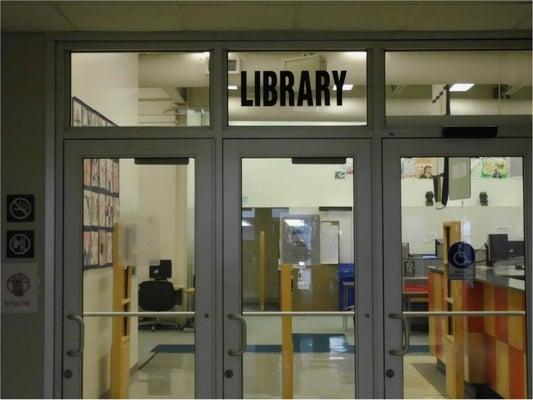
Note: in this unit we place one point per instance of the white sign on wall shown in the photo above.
(19, 288)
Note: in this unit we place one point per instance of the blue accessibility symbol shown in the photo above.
(461, 255)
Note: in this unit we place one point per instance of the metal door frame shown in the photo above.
(393, 151)
(360, 150)
(71, 269)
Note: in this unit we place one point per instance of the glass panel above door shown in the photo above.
(297, 88)
(140, 89)
(458, 83)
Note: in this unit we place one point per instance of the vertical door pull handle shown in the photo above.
(241, 351)
(81, 323)
(406, 333)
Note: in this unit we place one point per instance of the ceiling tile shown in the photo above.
(238, 17)
(354, 17)
(112, 16)
(524, 24)
(264, 16)
(436, 16)
(26, 17)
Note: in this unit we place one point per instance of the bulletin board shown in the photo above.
(100, 210)
(100, 194)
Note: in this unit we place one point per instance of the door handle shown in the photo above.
(81, 337)
(242, 349)
(406, 333)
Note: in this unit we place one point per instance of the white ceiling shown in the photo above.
(32, 16)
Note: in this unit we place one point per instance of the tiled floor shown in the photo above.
(422, 379)
(322, 374)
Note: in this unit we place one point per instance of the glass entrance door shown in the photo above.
(136, 282)
(297, 269)
(456, 266)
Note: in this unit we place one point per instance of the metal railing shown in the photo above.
(138, 314)
(405, 315)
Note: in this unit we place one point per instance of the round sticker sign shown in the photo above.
(461, 255)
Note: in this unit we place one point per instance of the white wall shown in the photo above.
(460, 107)
(158, 209)
(279, 183)
(302, 188)
(504, 214)
(109, 83)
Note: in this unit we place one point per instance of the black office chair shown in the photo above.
(157, 295)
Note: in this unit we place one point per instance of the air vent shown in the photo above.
(234, 66)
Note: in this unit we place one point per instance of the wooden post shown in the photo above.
(120, 342)
(287, 386)
(262, 270)
(454, 339)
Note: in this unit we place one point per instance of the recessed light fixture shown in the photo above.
(461, 87)
(345, 87)
(232, 87)
(295, 222)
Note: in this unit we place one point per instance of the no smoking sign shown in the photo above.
(20, 208)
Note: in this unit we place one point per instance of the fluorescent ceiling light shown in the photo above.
(232, 87)
(345, 87)
(245, 223)
(295, 222)
(461, 87)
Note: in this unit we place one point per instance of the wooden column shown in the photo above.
(262, 270)
(454, 335)
(120, 342)
(287, 387)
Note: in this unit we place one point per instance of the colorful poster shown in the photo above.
(94, 248)
(86, 248)
(109, 175)
(86, 172)
(109, 249)
(101, 209)
(94, 172)
(102, 163)
(102, 248)
(94, 209)
(87, 200)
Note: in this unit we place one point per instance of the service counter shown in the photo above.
(494, 347)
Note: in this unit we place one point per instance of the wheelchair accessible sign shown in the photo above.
(461, 262)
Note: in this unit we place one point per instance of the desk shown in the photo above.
(414, 294)
(346, 285)
(491, 290)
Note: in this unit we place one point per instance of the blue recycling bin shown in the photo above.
(346, 274)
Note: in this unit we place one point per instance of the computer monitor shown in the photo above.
(515, 248)
(438, 248)
(497, 248)
(162, 271)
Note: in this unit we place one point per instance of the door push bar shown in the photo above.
(81, 338)
(406, 326)
(239, 352)
(138, 314)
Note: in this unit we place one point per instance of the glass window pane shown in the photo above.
(458, 82)
(464, 254)
(298, 255)
(149, 207)
(140, 89)
(297, 88)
